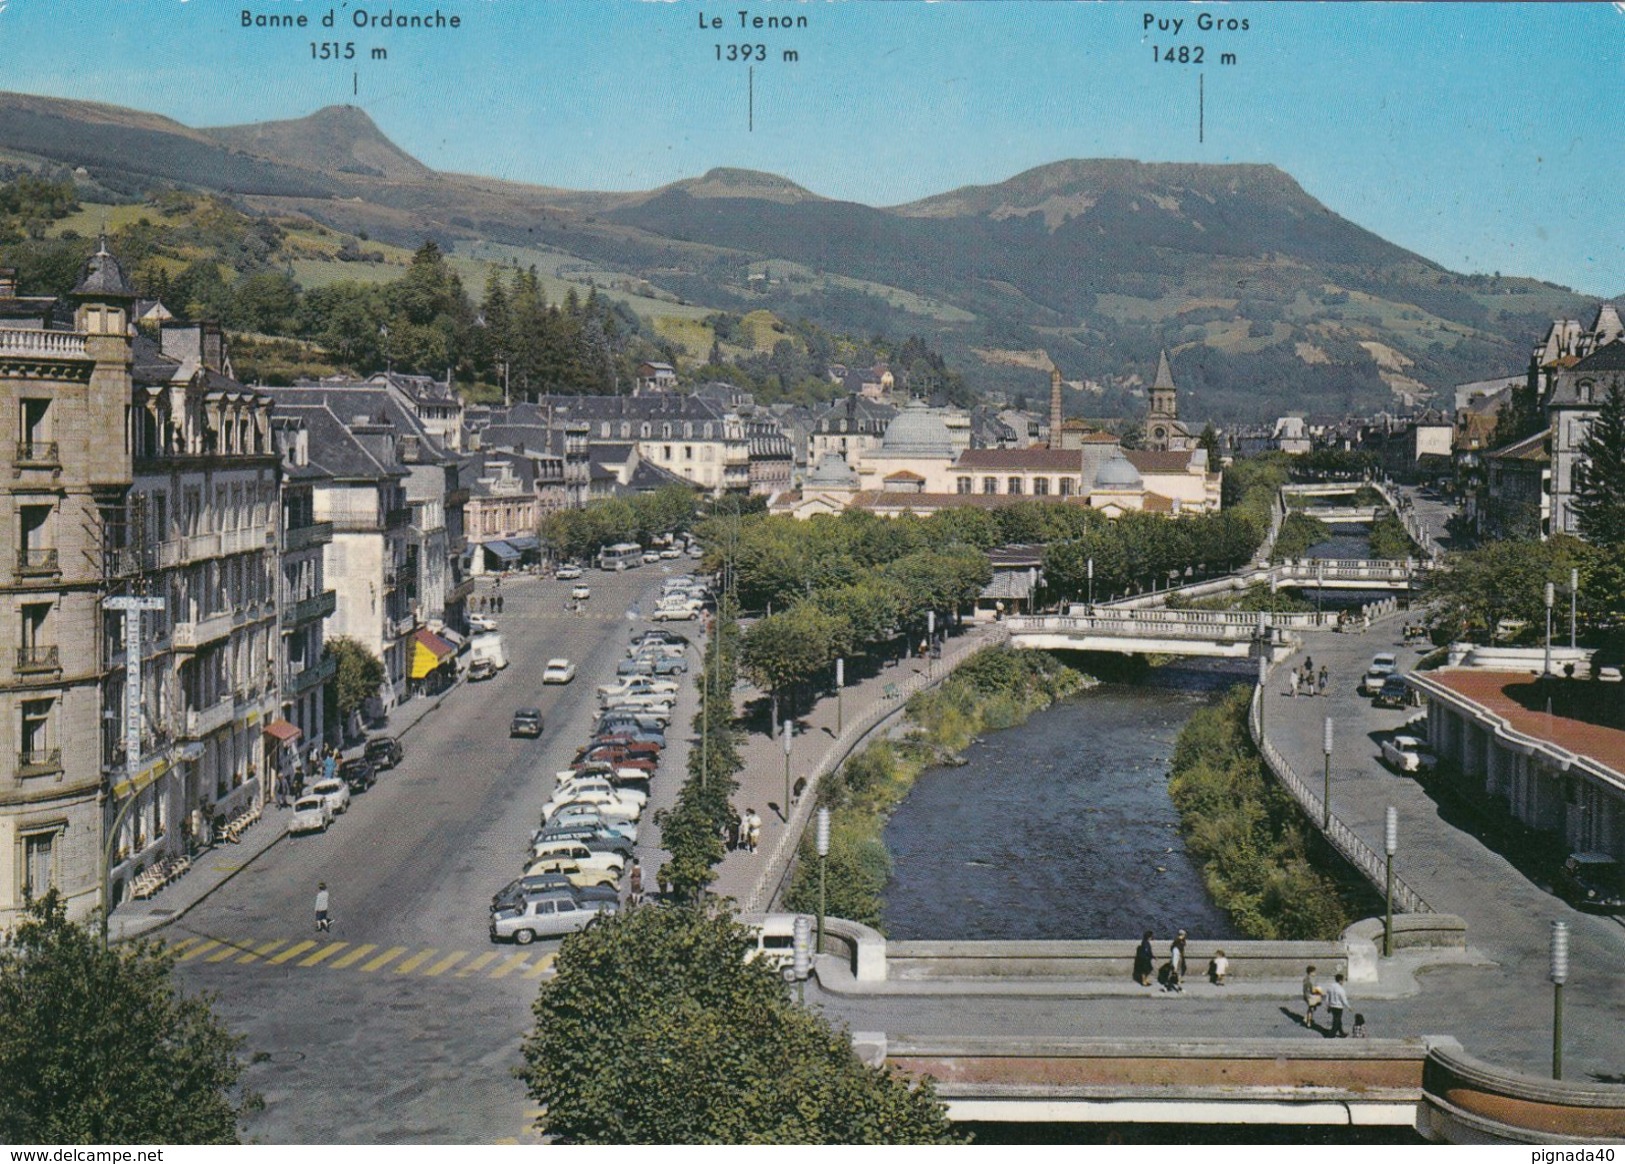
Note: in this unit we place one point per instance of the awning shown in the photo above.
(502, 550)
(525, 542)
(429, 651)
(283, 731)
(452, 637)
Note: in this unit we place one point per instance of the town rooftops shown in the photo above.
(1515, 696)
(1048, 460)
(1531, 448)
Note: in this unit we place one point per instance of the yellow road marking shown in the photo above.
(354, 956)
(182, 944)
(416, 960)
(325, 952)
(292, 951)
(478, 964)
(512, 963)
(383, 959)
(261, 952)
(445, 964)
(208, 944)
(227, 951)
(543, 964)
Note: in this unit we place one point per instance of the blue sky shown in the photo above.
(1484, 136)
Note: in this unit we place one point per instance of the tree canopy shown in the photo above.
(357, 675)
(1599, 478)
(656, 1030)
(97, 1046)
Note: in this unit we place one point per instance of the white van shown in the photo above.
(775, 940)
(487, 646)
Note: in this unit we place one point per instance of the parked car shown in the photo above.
(481, 669)
(580, 593)
(358, 775)
(671, 552)
(384, 752)
(666, 664)
(605, 837)
(335, 791)
(637, 720)
(546, 916)
(576, 875)
(650, 557)
(527, 721)
(775, 945)
(1373, 680)
(581, 853)
(1384, 662)
(558, 671)
(611, 728)
(310, 815)
(1394, 692)
(1592, 881)
(674, 614)
(605, 802)
(517, 890)
(696, 551)
(617, 757)
(575, 815)
(570, 786)
(1408, 754)
(481, 622)
(638, 685)
(657, 635)
(568, 572)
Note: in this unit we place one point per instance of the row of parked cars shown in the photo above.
(583, 844)
(1385, 686)
(326, 798)
(681, 599)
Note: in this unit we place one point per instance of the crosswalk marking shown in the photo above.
(478, 964)
(416, 960)
(383, 959)
(511, 964)
(325, 952)
(182, 944)
(445, 964)
(543, 964)
(264, 949)
(292, 952)
(229, 950)
(355, 956)
(202, 947)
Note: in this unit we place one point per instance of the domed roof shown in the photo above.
(1118, 474)
(102, 277)
(917, 432)
(832, 472)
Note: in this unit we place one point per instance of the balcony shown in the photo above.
(39, 762)
(37, 563)
(303, 681)
(243, 541)
(38, 455)
(310, 609)
(201, 722)
(35, 342)
(38, 660)
(198, 633)
(305, 536)
(398, 518)
(403, 626)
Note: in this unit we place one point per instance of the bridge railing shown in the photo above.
(1359, 854)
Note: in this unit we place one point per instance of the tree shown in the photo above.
(358, 674)
(1599, 478)
(98, 1047)
(1500, 582)
(657, 1030)
(1209, 440)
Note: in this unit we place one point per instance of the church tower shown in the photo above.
(1163, 431)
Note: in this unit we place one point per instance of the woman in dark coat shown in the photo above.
(1144, 961)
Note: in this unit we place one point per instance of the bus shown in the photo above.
(621, 556)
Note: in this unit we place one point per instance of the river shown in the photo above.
(1062, 828)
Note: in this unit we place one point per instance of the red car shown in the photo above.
(598, 756)
(629, 742)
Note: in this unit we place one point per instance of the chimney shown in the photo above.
(214, 348)
(1054, 406)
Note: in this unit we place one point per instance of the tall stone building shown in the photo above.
(1164, 431)
(64, 408)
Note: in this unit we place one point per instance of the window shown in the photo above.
(36, 552)
(665, 452)
(688, 452)
(1041, 486)
(990, 484)
(603, 429)
(645, 430)
(34, 429)
(39, 864)
(626, 429)
(36, 733)
(1066, 487)
(964, 484)
(1013, 486)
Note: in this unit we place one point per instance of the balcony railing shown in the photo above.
(190, 635)
(32, 660)
(37, 562)
(404, 626)
(201, 721)
(36, 342)
(242, 541)
(302, 681)
(309, 609)
(38, 455)
(39, 761)
(305, 536)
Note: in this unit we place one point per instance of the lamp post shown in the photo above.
(801, 952)
(1559, 975)
(840, 686)
(1390, 844)
(785, 734)
(822, 838)
(1326, 794)
(930, 640)
(1091, 584)
(1551, 595)
(1574, 604)
(1320, 585)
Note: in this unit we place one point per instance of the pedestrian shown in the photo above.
(1312, 997)
(1308, 665)
(499, 604)
(800, 787)
(1359, 1031)
(330, 763)
(1144, 960)
(1325, 678)
(1176, 963)
(744, 829)
(663, 880)
(733, 830)
(1337, 1001)
(755, 830)
(1293, 679)
(1218, 969)
(324, 922)
(634, 885)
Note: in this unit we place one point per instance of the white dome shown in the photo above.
(917, 432)
(1119, 474)
(832, 472)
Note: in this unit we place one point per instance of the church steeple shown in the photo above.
(1164, 396)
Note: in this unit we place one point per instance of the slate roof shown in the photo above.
(333, 447)
(102, 278)
(1532, 448)
(1154, 461)
(1035, 458)
(351, 400)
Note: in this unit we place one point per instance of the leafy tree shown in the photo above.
(1599, 479)
(789, 647)
(357, 676)
(98, 1047)
(1209, 440)
(658, 1031)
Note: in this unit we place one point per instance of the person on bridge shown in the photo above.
(1337, 1001)
(1313, 996)
(1145, 959)
(1176, 964)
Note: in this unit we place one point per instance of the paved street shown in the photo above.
(403, 1024)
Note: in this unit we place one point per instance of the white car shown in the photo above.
(1409, 754)
(580, 593)
(546, 916)
(671, 552)
(637, 685)
(605, 859)
(568, 573)
(572, 786)
(335, 792)
(609, 805)
(558, 671)
(1373, 681)
(674, 614)
(650, 557)
(310, 815)
(479, 622)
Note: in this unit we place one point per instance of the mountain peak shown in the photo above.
(730, 182)
(340, 139)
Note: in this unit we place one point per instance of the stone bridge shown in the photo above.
(1211, 633)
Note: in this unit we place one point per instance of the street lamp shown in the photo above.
(801, 953)
(1091, 584)
(1559, 975)
(840, 685)
(1390, 844)
(1326, 795)
(822, 838)
(785, 733)
(1574, 603)
(1551, 595)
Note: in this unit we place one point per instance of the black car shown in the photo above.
(1395, 692)
(384, 752)
(660, 636)
(1592, 881)
(527, 721)
(358, 774)
(522, 887)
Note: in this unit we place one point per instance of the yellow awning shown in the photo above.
(429, 651)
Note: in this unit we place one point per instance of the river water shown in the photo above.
(1062, 828)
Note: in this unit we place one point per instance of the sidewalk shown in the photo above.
(218, 864)
(752, 879)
